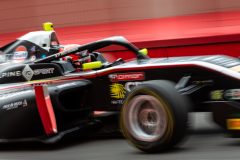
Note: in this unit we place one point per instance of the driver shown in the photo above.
(78, 59)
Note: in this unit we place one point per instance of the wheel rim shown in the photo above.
(146, 118)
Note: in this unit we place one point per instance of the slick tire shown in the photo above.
(154, 116)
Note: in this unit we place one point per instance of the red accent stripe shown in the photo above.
(45, 109)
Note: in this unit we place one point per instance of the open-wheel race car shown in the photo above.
(45, 95)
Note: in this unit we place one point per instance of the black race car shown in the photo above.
(45, 97)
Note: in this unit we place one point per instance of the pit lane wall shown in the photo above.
(198, 34)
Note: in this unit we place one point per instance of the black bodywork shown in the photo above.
(75, 94)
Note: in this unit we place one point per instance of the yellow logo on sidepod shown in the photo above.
(117, 91)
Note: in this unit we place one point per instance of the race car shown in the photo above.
(48, 97)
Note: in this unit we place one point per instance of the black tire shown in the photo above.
(154, 116)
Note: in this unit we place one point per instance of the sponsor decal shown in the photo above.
(11, 74)
(232, 94)
(119, 101)
(216, 95)
(131, 76)
(21, 48)
(43, 71)
(130, 85)
(233, 124)
(27, 72)
(33, 49)
(20, 53)
(33, 58)
(43, 55)
(117, 91)
(14, 105)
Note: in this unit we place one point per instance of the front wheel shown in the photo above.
(154, 116)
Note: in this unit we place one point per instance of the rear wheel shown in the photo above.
(154, 116)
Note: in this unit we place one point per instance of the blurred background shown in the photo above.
(29, 14)
(165, 27)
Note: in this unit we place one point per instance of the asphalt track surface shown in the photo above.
(205, 142)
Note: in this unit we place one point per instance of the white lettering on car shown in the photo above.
(14, 105)
(27, 72)
(131, 76)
